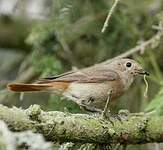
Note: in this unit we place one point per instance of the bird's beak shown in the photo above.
(143, 72)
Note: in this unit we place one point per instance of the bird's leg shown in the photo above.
(106, 110)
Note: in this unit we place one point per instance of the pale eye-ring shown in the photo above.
(128, 64)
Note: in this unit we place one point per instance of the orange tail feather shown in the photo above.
(18, 87)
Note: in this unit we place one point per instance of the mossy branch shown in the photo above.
(66, 127)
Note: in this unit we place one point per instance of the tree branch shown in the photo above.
(66, 127)
(152, 43)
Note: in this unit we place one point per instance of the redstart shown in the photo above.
(89, 87)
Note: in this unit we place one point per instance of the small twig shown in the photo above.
(158, 27)
(106, 23)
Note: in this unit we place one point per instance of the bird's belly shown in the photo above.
(93, 94)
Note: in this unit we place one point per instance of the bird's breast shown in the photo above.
(97, 91)
(117, 88)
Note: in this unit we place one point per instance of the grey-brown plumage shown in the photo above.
(89, 86)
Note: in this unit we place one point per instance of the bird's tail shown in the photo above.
(19, 87)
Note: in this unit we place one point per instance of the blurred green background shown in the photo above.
(43, 38)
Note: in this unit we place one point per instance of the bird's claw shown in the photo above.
(107, 115)
(121, 116)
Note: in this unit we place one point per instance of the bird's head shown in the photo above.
(128, 69)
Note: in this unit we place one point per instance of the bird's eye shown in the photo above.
(128, 64)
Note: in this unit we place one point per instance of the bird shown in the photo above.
(89, 87)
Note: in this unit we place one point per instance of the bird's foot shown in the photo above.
(112, 117)
(107, 116)
(121, 116)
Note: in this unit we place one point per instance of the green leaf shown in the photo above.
(156, 105)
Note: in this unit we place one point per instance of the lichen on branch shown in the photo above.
(67, 127)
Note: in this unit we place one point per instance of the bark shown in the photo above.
(66, 127)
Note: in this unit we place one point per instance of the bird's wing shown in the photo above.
(92, 75)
